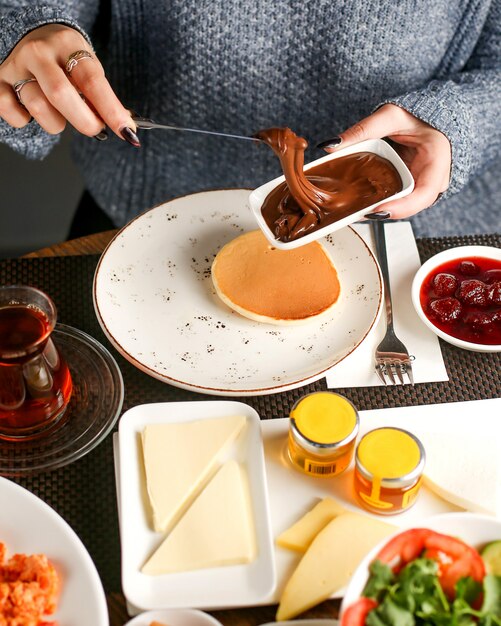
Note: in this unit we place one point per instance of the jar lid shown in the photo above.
(393, 455)
(324, 420)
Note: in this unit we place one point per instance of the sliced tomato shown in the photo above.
(443, 559)
(404, 547)
(357, 612)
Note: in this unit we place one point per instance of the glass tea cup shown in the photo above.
(35, 382)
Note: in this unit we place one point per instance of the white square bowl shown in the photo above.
(376, 146)
(210, 588)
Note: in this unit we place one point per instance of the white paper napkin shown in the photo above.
(357, 370)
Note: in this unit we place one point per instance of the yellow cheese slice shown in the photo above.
(217, 529)
(330, 561)
(179, 459)
(300, 535)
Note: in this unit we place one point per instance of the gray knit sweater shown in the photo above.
(317, 66)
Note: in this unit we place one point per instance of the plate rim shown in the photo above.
(145, 616)
(60, 523)
(212, 390)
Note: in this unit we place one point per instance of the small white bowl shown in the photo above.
(436, 261)
(174, 617)
(377, 146)
(473, 528)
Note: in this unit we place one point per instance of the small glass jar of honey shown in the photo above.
(389, 465)
(322, 431)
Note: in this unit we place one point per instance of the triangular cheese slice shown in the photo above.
(216, 530)
(179, 459)
(300, 535)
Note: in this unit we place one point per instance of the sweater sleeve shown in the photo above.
(466, 106)
(17, 19)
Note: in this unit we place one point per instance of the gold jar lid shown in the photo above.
(323, 421)
(393, 455)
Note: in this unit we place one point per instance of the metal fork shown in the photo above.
(392, 357)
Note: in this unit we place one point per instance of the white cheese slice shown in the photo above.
(179, 459)
(330, 561)
(465, 468)
(216, 530)
(300, 535)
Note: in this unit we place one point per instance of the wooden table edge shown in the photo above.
(90, 244)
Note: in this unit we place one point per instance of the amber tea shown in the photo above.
(35, 382)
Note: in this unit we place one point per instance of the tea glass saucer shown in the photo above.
(94, 407)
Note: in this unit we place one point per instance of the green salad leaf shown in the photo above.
(491, 606)
(414, 597)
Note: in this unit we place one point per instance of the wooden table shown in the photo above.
(92, 244)
(95, 244)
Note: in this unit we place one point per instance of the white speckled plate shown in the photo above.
(154, 299)
(30, 526)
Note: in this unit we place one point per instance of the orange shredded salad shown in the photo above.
(29, 587)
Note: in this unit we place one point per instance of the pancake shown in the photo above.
(275, 286)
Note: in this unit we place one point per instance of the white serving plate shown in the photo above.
(377, 146)
(174, 617)
(155, 301)
(305, 622)
(475, 529)
(293, 493)
(461, 252)
(28, 525)
(235, 585)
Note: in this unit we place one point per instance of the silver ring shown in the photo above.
(19, 85)
(74, 58)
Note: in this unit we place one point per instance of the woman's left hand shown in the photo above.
(425, 150)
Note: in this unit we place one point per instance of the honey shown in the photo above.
(322, 431)
(389, 465)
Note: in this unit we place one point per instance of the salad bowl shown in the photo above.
(475, 529)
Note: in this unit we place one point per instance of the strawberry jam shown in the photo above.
(463, 299)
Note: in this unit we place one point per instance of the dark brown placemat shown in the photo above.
(84, 492)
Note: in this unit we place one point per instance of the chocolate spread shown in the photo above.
(329, 192)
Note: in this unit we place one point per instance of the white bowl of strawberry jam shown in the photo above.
(457, 294)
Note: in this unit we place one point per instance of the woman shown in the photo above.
(426, 74)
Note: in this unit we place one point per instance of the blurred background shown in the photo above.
(37, 199)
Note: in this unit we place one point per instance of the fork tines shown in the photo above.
(389, 370)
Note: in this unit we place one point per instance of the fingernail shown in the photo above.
(129, 135)
(380, 215)
(102, 136)
(330, 143)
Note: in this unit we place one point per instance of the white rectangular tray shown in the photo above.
(238, 585)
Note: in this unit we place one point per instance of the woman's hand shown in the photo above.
(82, 96)
(425, 150)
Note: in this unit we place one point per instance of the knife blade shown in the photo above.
(145, 123)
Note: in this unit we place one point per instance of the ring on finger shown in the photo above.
(74, 58)
(17, 86)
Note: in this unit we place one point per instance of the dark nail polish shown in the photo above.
(129, 135)
(380, 215)
(102, 136)
(330, 143)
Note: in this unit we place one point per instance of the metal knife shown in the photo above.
(146, 124)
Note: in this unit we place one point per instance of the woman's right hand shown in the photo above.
(84, 98)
